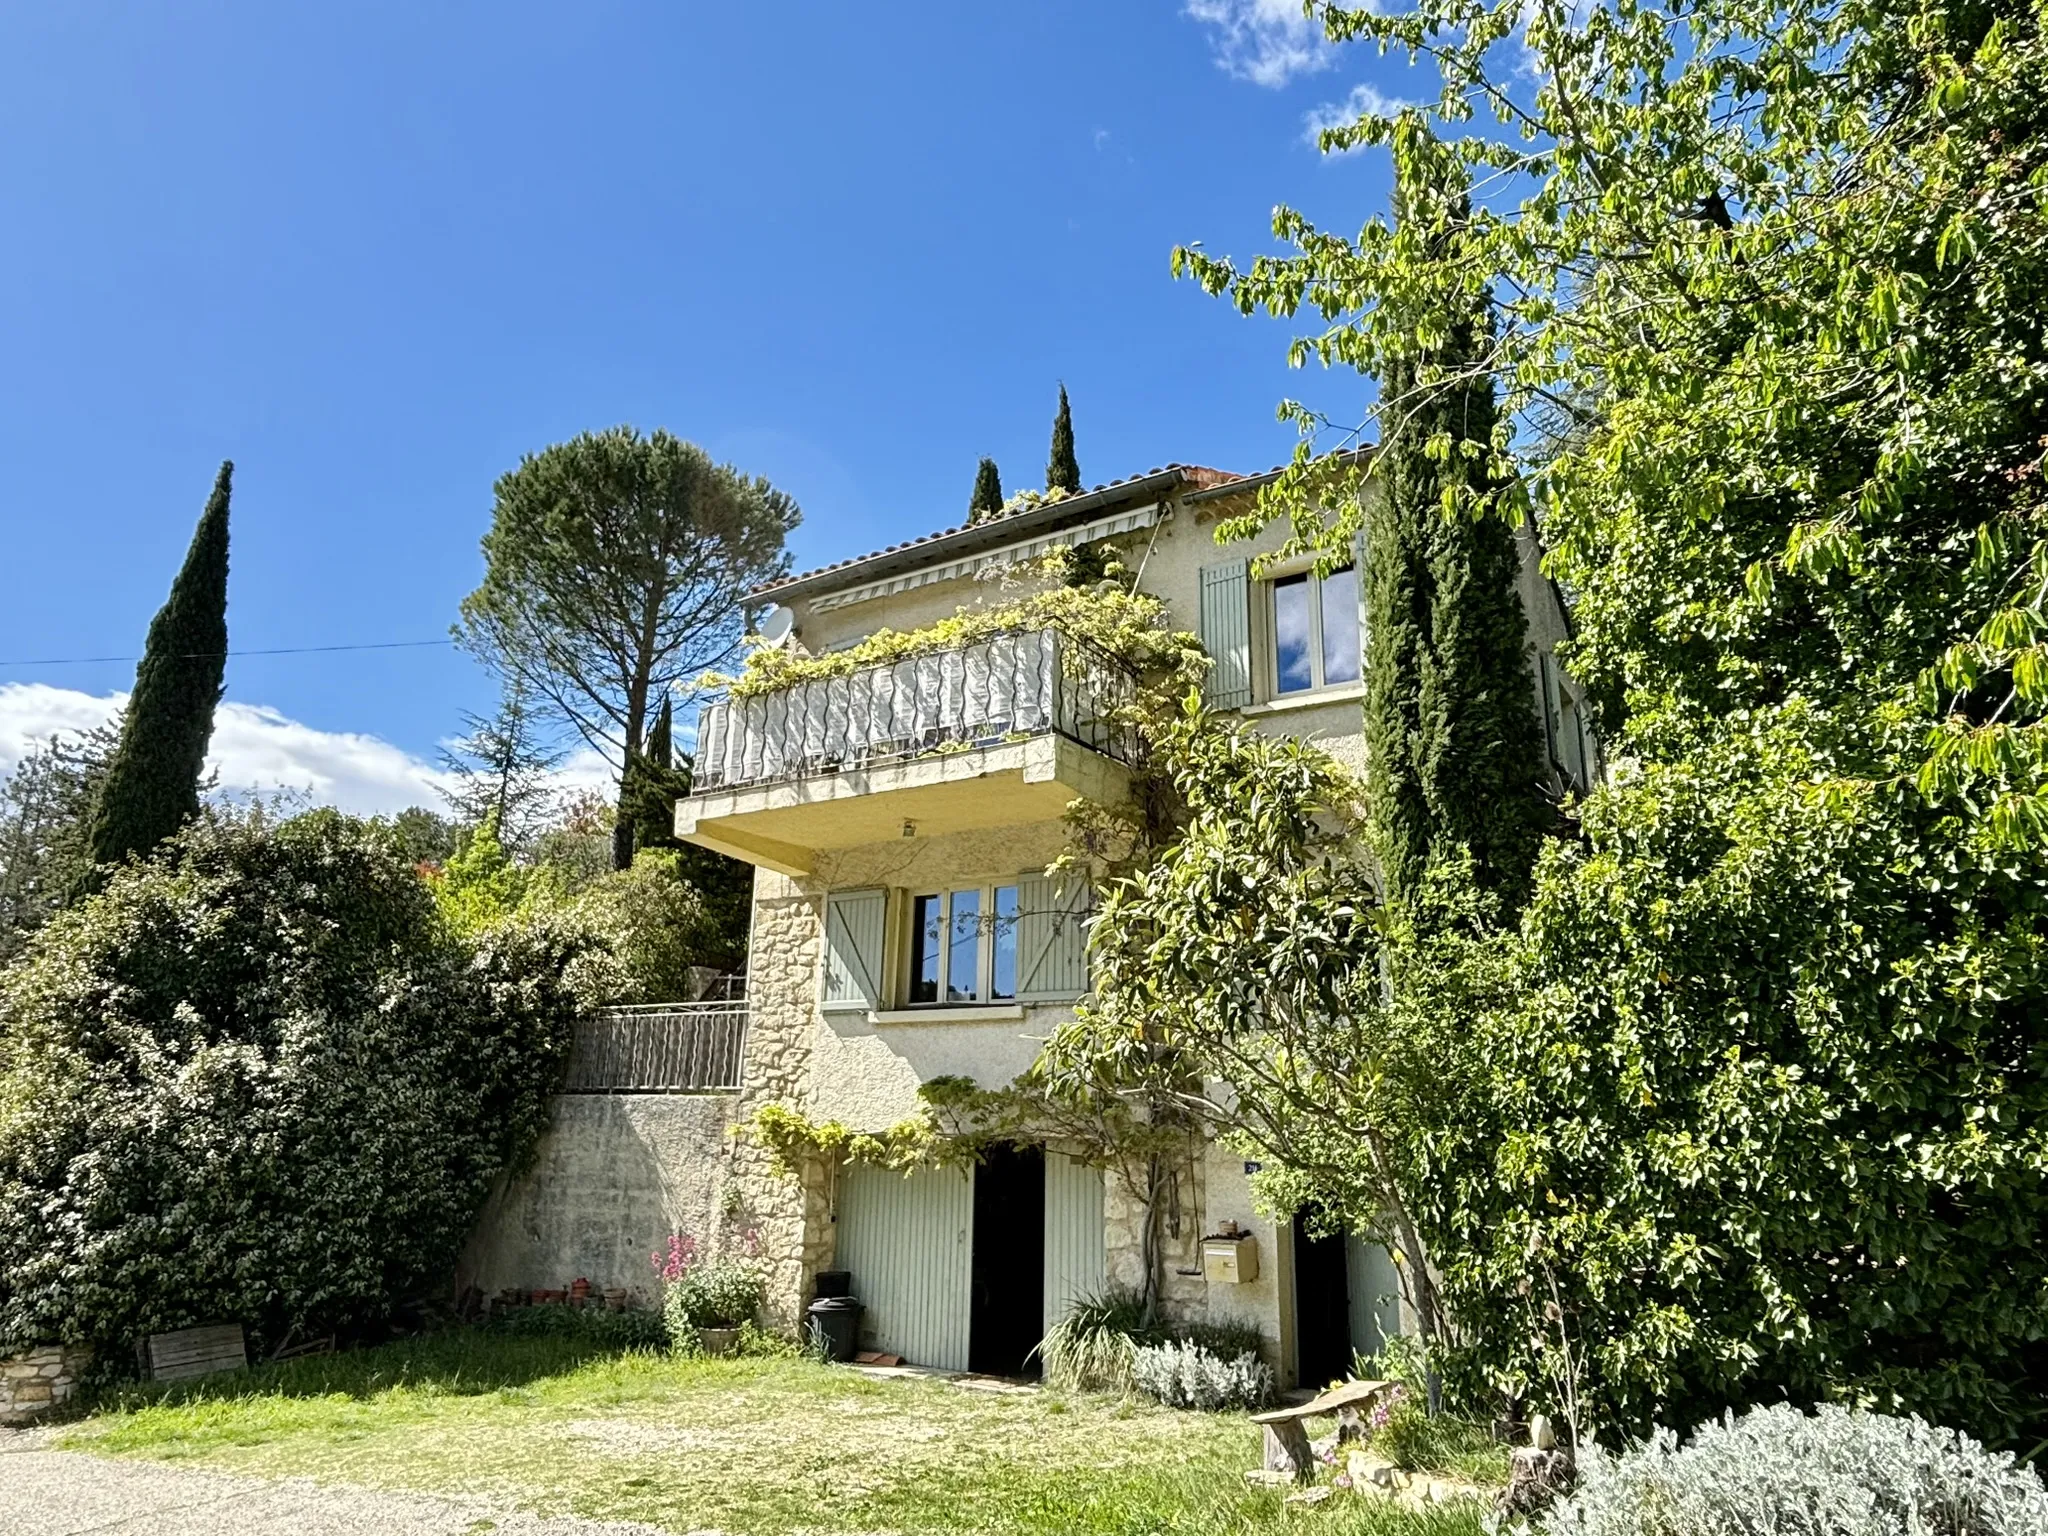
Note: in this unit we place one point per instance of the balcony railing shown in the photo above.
(1006, 688)
(660, 1048)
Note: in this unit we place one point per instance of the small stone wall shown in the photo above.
(34, 1383)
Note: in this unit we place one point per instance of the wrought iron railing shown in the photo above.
(1008, 687)
(660, 1048)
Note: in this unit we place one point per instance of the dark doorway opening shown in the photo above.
(1322, 1306)
(1008, 1306)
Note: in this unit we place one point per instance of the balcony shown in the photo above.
(1001, 732)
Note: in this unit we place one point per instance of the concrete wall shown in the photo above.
(614, 1175)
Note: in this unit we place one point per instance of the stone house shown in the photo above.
(900, 823)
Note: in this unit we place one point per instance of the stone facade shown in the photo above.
(40, 1381)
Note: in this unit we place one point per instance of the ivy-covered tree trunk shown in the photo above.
(1451, 730)
(152, 784)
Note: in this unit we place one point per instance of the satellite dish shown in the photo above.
(776, 627)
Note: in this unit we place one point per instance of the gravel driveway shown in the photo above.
(44, 1492)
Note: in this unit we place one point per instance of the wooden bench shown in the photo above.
(194, 1352)
(1287, 1447)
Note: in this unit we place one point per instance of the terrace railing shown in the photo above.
(1005, 688)
(660, 1048)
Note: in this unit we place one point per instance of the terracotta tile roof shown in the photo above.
(1200, 477)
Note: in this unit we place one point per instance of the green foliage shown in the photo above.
(987, 499)
(502, 771)
(151, 787)
(1062, 469)
(1754, 1086)
(45, 802)
(259, 1079)
(1416, 1440)
(1131, 626)
(1090, 1348)
(480, 885)
(794, 1141)
(614, 570)
(652, 786)
(423, 836)
(712, 1293)
(634, 1328)
(1453, 757)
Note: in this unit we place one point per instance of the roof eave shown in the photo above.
(968, 540)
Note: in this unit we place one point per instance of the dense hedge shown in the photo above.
(259, 1079)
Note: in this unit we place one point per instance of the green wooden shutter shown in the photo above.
(853, 948)
(1226, 623)
(1052, 944)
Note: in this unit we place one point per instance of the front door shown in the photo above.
(1007, 1314)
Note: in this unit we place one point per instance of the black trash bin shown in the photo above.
(835, 1326)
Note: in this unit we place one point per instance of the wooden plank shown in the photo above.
(193, 1352)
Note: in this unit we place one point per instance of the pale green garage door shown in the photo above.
(909, 1244)
(906, 1241)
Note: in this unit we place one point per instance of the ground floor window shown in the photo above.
(963, 946)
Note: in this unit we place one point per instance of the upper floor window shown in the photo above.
(963, 946)
(1315, 631)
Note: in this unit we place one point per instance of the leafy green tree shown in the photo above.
(480, 885)
(257, 1078)
(654, 785)
(503, 769)
(1062, 469)
(987, 500)
(614, 570)
(1453, 755)
(151, 786)
(1754, 1097)
(424, 836)
(46, 801)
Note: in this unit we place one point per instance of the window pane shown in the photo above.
(963, 958)
(1003, 952)
(1294, 662)
(1340, 626)
(924, 949)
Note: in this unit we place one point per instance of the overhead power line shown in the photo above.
(283, 650)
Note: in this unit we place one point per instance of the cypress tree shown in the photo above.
(656, 787)
(1453, 739)
(987, 499)
(152, 783)
(1063, 470)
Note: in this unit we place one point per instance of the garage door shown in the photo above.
(908, 1243)
(1074, 1253)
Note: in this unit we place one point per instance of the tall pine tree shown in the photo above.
(1062, 469)
(987, 499)
(152, 783)
(1452, 735)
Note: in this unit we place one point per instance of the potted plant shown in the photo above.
(706, 1302)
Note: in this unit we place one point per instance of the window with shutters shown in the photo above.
(1006, 942)
(963, 947)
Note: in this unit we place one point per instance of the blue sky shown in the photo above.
(373, 253)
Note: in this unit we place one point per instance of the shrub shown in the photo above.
(258, 1078)
(1182, 1374)
(1835, 1472)
(1091, 1347)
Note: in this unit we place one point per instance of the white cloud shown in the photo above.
(1267, 42)
(260, 749)
(1340, 114)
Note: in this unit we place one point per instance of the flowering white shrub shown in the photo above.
(1779, 1472)
(1182, 1374)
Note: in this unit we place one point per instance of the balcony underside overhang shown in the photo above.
(784, 826)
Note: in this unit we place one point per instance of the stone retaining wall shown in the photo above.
(34, 1383)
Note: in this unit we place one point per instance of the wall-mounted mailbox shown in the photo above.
(1230, 1257)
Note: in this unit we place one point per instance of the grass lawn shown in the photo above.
(561, 1426)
